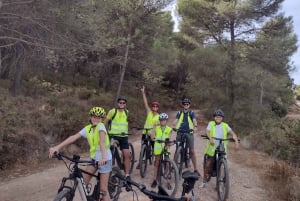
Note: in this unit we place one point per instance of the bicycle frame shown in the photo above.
(188, 185)
(167, 165)
(116, 155)
(77, 177)
(222, 183)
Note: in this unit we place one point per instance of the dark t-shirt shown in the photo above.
(185, 124)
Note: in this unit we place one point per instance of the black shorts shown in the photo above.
(123, 141)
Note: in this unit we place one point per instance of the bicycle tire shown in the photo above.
(64, 194)
(132, 157)
(186, 158)
(143, 160)
(179, 159)
(222, 180)
(114, 184)
(168, 176)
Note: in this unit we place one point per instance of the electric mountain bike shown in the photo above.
(75, 181)
(221, 168)
(146, 154)
(117, 156)
(182, 155)
(188, 185)
(167, 176)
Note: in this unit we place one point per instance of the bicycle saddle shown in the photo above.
(190, 175)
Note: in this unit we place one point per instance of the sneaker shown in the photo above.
(203, 184)
(138, 166)
(154, 184)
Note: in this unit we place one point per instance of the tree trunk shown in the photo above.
(124, 65)
(16, 84)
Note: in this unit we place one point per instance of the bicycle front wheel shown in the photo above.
(132, 157)
(222, 180)
(168, 176)
(64, 194)
(143, 161)
(114, 184)
(179, 160)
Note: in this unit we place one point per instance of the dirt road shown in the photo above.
(245, 183)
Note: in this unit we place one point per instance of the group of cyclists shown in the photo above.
(102, 127)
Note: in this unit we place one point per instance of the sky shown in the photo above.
(289, 8)
(292, 8)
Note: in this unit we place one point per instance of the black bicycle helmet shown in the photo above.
(218, 112)
(186, 100)
(122, 98)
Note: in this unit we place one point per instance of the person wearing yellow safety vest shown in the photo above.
(118, 129)
(98, 140)
(184, 121)
(161, 132)
(219, 129)
(152, 118)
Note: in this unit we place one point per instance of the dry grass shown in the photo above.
(280, 178)
(283, 181)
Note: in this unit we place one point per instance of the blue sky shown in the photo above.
(290, 8)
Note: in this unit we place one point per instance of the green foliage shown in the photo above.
(280, 138)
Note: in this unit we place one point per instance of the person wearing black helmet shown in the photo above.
(117, 122)
(185, 121)
(219, 129)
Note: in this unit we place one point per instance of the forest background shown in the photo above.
(59, 58)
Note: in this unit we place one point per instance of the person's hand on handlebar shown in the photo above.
(52, 151)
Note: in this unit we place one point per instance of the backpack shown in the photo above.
(189, 113)
(114, 115)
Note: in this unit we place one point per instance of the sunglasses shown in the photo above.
(123, 103)
(186, 104)
(155, 106)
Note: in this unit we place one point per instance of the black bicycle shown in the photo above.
(221, 168)
(167, 176)
(182, 155)
(146, 154)
(117, 156)
(75, 180)
(188, 185)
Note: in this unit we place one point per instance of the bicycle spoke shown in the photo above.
(223, 180)
(168, 176)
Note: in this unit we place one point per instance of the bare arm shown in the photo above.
(195, 124)
(102, 147)
(148, 109)
(234, 136)
(66, 142)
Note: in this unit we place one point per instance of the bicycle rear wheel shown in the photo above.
(179, 160)
(132, 157)
(64, 194)
(143, 161)
(168, 176)
(114, 184)
(222, 180)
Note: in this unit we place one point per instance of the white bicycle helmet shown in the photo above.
(163, 116)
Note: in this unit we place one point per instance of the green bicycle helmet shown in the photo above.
(97, 111)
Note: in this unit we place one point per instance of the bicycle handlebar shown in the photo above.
(74, 159)
(183, 131)
(151, 194)
(142, 128)
(223, 139)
